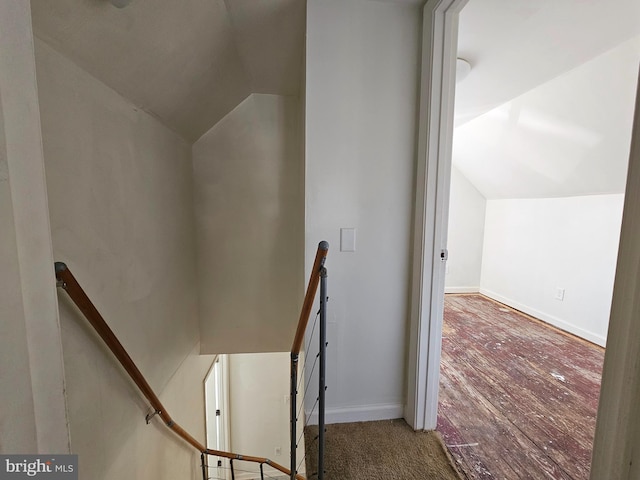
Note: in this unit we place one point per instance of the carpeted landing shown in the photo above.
(383, 450)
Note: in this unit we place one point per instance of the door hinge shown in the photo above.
(444, 254)
(217, 413)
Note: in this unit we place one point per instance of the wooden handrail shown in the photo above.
(312, 288)
(82, 301)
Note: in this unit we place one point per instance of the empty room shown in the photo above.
(540, 156)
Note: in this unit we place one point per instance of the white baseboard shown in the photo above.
(461, 289)
(550, 319)
(359, 413)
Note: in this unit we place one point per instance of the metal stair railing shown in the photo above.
(68, 282)
(318, 276)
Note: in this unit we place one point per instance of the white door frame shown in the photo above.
(219, 380)
(433, 173)
(616, 452)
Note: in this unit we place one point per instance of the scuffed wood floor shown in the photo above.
(518, 398)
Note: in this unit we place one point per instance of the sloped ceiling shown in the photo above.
(547, 108)
(187, 62)
(190, 62)
(516, 45)
(569, 136)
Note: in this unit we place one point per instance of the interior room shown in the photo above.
(183, 162)
(536, 198)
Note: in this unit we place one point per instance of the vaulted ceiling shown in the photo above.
(547, 108)
(187, 62)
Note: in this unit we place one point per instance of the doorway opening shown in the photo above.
(528, 199)
(216, 390)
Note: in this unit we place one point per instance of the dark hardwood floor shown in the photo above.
(518, 398)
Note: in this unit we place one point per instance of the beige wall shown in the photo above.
(120, 191)
(249, 208)
(259, 409)
(17, 422)
(32, 412)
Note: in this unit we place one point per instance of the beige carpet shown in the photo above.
(383, 450)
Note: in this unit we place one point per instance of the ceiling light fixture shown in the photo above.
(463, 68)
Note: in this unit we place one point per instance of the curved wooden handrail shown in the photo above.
(246, 458)
(82, 301)
(312, 288)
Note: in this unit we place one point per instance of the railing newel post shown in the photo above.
(293, 411)
(312, 288)
(322, 387)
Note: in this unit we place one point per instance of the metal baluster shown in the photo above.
(204, 466)
(233, 474)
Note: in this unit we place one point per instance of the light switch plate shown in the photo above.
(347, 239)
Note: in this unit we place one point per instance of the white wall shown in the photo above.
(259, 408)
(361, 108)
(532, 247)
(120, 195)
(32, 417)
(465, 236)
(248, 180)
